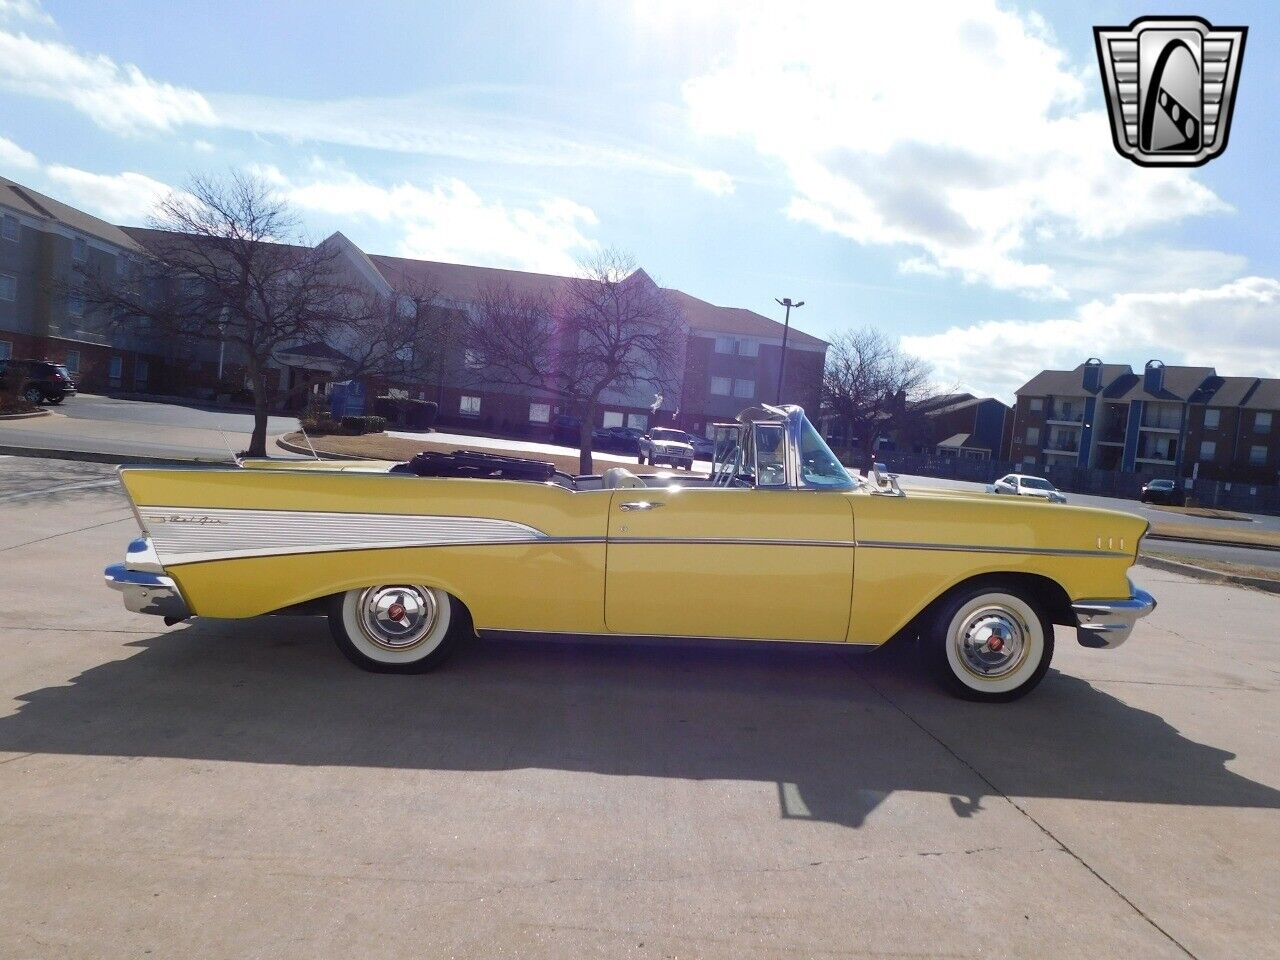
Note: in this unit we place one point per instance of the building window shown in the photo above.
(1029, 461)
(1211, 417)
(721, 386)
(72, 363)
(744, 389)
(539, 412)
(8, 287)
(75, 305)
(469, 406)
(724, 344)
(1033, 436)
(1208, 449)
(612, 418)
(1258, 456)
(739, 347)
(473, 359)
(748, 348)
(1262, 422)
(117, 370)
(6, 349)
(1035, 404)
(9, 229)
(141, 371)
(80, 249)
(637, 421)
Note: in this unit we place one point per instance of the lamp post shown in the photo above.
(786, 328)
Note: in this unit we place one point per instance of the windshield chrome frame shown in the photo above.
(793, 421)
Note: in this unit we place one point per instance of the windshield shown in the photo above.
(1035, 483)
(819, 467)
(671, 436)
(1161, 484)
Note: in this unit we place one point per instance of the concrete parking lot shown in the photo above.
(238, 789)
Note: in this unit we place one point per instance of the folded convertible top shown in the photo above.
(472, 463)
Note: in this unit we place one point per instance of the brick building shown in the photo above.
(730, 357)
(1167, 421)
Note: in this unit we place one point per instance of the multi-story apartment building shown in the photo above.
(45, 246)
(1167, 421)
(730, 358)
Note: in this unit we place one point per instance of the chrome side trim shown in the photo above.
(147, 592)
(985, 548)
(733, 541)
(196, 535)
(1105, 624)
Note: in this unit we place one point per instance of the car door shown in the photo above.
(729, 562)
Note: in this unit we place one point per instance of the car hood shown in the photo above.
(672, 445)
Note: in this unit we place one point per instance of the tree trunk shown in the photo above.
(584, 439)
(258, 383)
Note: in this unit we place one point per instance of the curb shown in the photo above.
(89, 456)
(25, 416)
(306, 452)
(1213, 543)
(1214, 576)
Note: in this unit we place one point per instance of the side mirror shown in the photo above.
(886, 483)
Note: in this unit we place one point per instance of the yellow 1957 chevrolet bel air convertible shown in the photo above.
(778, 543)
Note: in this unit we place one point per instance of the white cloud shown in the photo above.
(1232, 327)
(120, 198)
(449, 221)
(966, 139)
(202, 146)
(117, 98)
(13, 156)
(123, 100)
(29, 10)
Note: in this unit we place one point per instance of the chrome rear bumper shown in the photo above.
(142, 583)
(1105, 624)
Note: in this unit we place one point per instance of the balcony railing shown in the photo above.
(1065, 415)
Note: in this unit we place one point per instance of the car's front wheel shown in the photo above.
(398, 628)
(990, 642)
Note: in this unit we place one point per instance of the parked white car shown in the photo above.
(1021, 485)
(664, 445)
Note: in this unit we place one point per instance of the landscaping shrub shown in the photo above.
(421, 414)
(360, 425)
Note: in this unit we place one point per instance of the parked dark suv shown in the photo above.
(40, 381)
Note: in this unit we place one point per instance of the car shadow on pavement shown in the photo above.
(837, 730)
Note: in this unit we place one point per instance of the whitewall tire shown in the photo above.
(990, 642)
(397, 628)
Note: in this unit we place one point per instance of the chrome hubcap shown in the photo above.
(397, 618)
(992, 642)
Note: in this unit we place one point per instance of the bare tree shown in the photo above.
(610, 329)
(225, 264)
(869, 384)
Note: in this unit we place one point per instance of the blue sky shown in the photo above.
(944, 173)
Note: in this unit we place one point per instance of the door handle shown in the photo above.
(638, 505)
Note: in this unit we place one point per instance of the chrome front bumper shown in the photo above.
(1105, 624)
(144, 586)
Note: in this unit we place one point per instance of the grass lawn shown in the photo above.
(1223, 566)
(1210, 512)
(1232, 535)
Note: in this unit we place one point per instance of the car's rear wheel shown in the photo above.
(989, 642)
(33, 394)
(398, 628)
(56, 399)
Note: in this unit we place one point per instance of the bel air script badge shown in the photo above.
(1171, 86)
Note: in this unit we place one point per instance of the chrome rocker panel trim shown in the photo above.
(1105, 624)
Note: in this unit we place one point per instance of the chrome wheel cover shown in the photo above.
(397, 618)
(991, 642)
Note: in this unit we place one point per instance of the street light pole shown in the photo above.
(786, 328)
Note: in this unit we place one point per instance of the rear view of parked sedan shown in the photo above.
(1021, 485)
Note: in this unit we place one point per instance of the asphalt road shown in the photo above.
(103, 425)
(236, 788)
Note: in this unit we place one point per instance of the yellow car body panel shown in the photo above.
(773, 564)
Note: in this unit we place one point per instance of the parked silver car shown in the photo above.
(1021, 485)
